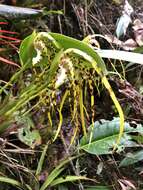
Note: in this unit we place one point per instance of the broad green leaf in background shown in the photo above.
(132, 158)
(138, 138)
(30, 138)
(104, 135)
(28, 134)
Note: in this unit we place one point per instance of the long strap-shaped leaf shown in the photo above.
(54, 174)
(121, 55)
(11, 12)
(11, 181)
(70, 178)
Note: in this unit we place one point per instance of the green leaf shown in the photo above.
(68, 42)
(62, 187)
(11, 182)
(28, 187)
(50, 178)
(68, 179)
(132, 158)
(26, 51)
(28, 134)
(97, 188)
(57, 12)
(121, 55)
(55, 173)
(138, 138)
(41, 161)
(30, 138)
(104, 135)
(139, 49)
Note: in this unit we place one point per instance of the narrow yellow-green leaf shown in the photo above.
(118, 107)
(69, 179)
(82, 111)
(41, 161)
(11, 181)
(60, 114)
(56, 172)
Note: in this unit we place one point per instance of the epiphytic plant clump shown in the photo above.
(58, 60)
